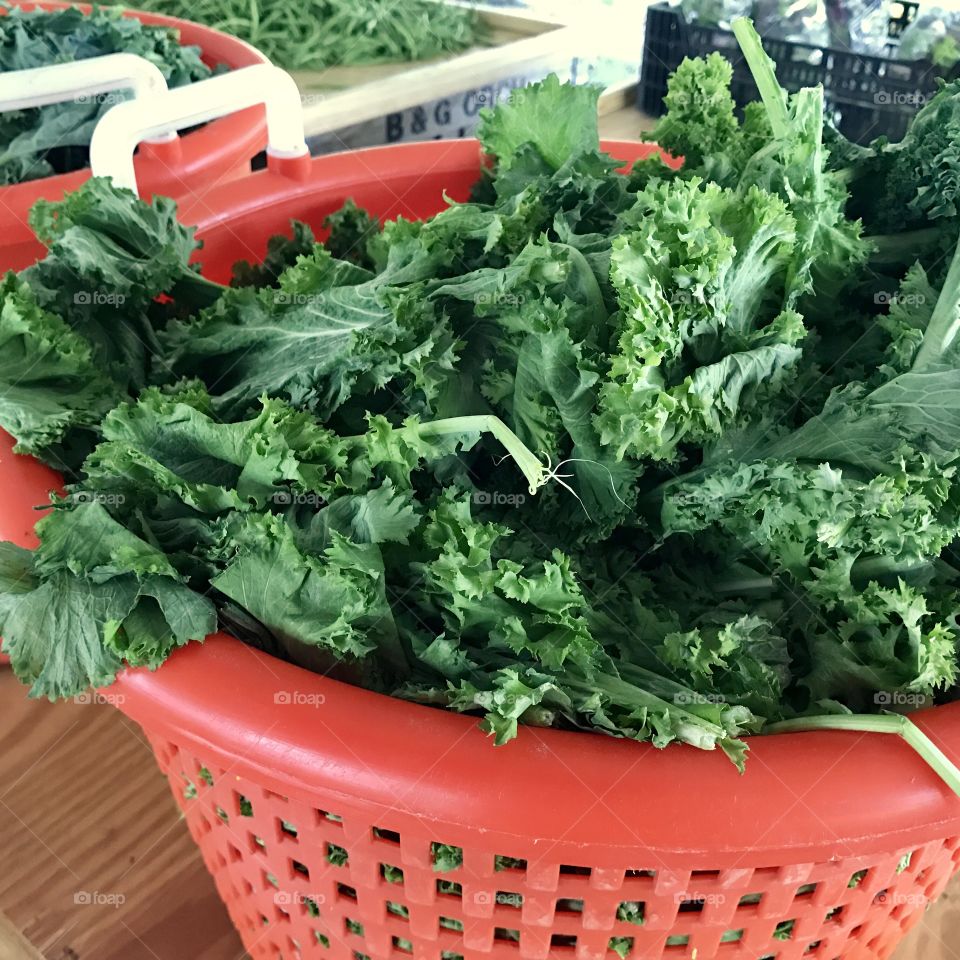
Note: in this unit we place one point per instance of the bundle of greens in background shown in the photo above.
(329, 33)
(53, 139)
(669, 455)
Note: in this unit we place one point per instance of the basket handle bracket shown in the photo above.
(127, 124)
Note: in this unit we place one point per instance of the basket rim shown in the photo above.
(805, 797)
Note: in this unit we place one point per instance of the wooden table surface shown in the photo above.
(95, 861)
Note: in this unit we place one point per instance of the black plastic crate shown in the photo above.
(868, 96)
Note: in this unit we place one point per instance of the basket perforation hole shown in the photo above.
(244, 807)
(806, 891)
(256, 842)
(235, 855)
(514, 901)
(516, 864)
(299, 869)
(691, 906)
(325, 817)
(446, 856)
(390, 873)
(222, 814)
(221, 861)
(632, 911)
(322, 939)
(678, 940)
(281, 914)
(784, 930)
(386, 836)
(633, 874)
(346, 892)
(248, 887)
(568, 905)
(569, 870)
(311, 907)
(397, 910)
(402, 944)
(205, 776)
(357, 955)
(353, 926)
(705, 875)
(451, 923)
(450, 955)
(732, 936)
(857, 879)
(563, 940)
(287, 831)
(449, 888)
(337, 855)
(269, 881)
(510, 935)
(621, 946)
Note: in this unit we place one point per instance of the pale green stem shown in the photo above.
(945, 322)
(761, 66)
(487, 423)
(884, 723)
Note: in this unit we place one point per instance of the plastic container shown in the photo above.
(181, 167)
(321, 809)
(869, 96)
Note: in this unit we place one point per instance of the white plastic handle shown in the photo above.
(125, 125)
(40, 86)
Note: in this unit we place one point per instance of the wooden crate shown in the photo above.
(350, 107)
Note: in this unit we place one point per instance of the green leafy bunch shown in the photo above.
(668, 454)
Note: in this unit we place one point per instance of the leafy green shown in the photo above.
(663, 455)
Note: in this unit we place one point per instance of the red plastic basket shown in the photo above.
(317, 805)
(187, 166)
